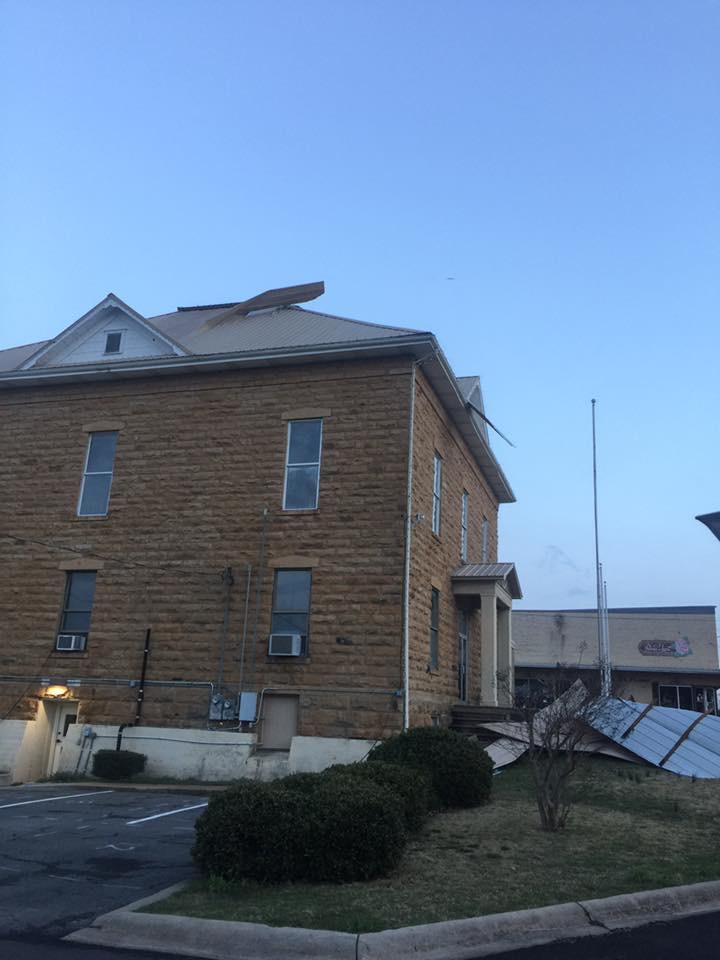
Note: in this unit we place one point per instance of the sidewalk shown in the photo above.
(452, 940)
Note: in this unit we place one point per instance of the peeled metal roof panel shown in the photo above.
(692, 739)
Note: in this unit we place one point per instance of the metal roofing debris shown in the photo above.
(681, 741)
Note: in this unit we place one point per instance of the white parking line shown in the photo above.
(168, 813)
(68, 796)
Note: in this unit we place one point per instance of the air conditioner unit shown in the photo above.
(70, 641)
(285, 645)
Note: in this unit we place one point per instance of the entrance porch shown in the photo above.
(491, 588)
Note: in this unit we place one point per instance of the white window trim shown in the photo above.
(437, 494)
(95, 473)
(315, 463)
(464, 510)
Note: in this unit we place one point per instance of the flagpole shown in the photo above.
(602, 656)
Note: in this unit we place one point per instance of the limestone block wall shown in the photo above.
(434, 557)
(197, 487)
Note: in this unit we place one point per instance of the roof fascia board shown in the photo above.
(87, 318)
(191, 362)
(654, 670)
(474, 438)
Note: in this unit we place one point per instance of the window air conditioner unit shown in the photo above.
(70, 641)
(285, 645)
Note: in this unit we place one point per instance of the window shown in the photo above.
(77, 607)
(291, 604)
(485, 546)
(464, 527)
(437, 493)
(302, 465)
(434, 630)
(112, 342)
(97, 476)
(675, 696)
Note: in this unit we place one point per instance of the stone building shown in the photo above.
(662, 655)
(242, 538)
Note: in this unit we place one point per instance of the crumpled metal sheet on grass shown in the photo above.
(681, 741)
(514, 744)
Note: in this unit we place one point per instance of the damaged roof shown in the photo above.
(680, 741)
(267, 329)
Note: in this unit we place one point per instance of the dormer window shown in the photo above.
(112, 342)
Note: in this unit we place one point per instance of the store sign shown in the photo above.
(665, 648)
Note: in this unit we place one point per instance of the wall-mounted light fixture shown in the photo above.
(56, 691)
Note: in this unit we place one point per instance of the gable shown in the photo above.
(88, 341)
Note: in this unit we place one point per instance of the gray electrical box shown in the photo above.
(247, 707)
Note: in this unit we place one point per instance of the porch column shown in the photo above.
(505, 669)
(488, 646)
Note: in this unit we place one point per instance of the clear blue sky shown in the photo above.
(560, 159)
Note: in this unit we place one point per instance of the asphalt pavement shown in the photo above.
(689, 939)
(69, 854)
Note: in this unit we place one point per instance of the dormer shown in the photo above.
(109, 333)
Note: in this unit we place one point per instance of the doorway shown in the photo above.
(280, 721)
(462, 655)
(61, 716)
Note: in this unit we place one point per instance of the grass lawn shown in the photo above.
(631, 828)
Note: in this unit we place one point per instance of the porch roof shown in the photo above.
(481, 573)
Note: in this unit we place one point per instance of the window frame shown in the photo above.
(485, 542)
(305, 646)
(464, 514)
(434, 651)
(65, 610)
(97, 473)
(317, 464)
(113, 333)
(437, 494)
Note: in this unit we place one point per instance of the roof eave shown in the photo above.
(448, 389)
(120, 369)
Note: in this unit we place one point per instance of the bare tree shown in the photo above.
(552, 727)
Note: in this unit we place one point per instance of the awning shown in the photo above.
(480, 574)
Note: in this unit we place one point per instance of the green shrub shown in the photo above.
(461, 771)
(356, 830)
(306, 827)
(411, 785)
(117, 764)
(252, 831)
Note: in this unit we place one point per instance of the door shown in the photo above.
(280, 720)
(61, 716)
(462, 655)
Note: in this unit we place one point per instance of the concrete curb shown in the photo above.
(450, 940)
(132, 785)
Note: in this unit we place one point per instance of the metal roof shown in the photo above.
(491, 571)
(209, 332)
(681, 741)
(13, 357)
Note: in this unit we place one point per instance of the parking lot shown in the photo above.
(69, 854)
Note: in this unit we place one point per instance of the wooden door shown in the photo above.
(280, 720)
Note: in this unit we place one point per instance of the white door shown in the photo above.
(61, 716)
